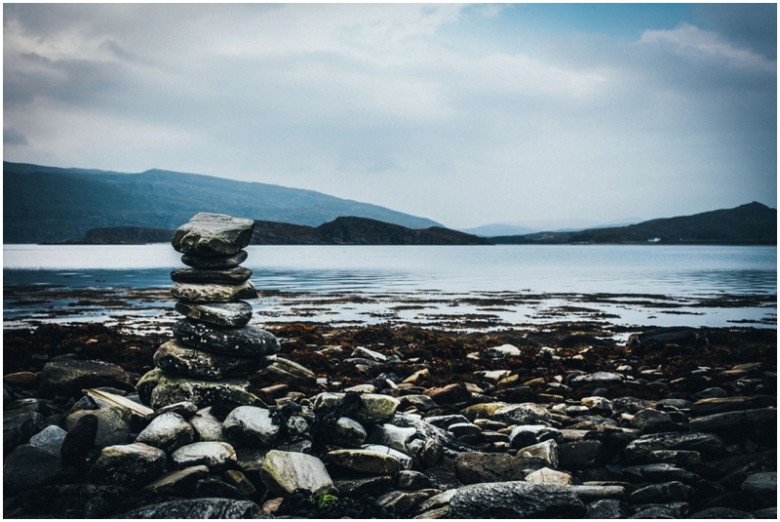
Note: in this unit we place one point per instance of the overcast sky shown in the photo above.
(464, 114)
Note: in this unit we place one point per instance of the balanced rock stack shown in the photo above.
(214, 349)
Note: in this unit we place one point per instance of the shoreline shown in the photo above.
(599, 391)
(143, 309)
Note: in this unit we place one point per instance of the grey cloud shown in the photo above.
(13, 137)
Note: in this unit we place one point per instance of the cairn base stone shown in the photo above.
(157, 389)
(174, 358)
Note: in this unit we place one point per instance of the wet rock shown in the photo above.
(348, 433)
(475, 467)
(515, 500)
(445, 421)
(549, 476)
(367, 408)
(371, 485)
(413, 480)
(596, 379)
(248, 341)
(79, 440)
(69, 377)
(234, 315)
(230, 276)
(465, 431)
(704, 443)
(180, 482)
(449, 394)
(213, 454)
(208, 235)
(113, 425)
(175, 358)
(224, 508)
(363, 352)
(503, 351)
(290, 371)
(736, 423)
(168, 432)
(365, 461)
(579, 454)
(525, 413)
(402, 502)
(652, 421)
(251, 425)
(418, 401)
(761, 484)
(679, 457)
(185, 408)
(159, 390)
(215, 262)
(213, 293)
(546, 451)
(28, 466)
(284, 472)
(240, 481)
(207, 426)
(405, 460)
(50, 440)
(393, 436)
(662, 492)
(19, 426)
(720, 513)
(656, 511)
(724, 404)
(660, 472)
(607, 508)
(528, 434)
(131, 465)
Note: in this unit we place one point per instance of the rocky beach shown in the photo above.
(212, 411)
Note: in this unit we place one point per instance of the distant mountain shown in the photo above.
(49, 204)
(751, 224)
(499, 229)
(530, 227)
(341, 231)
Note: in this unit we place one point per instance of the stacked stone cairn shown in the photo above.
(214, 349)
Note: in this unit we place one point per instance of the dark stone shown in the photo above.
(19, 426)
(215, 262)
(79, 440)
(251, 426)
(69, 377)
(243, 342)
(739, 424)
(233, 315)
(663, 492)
(527, 435)
(49, 439)
(131, 465)
(207, 234)
(705, 443)
(199, 508)
(114, 424)
(230, 276)
(579, 454)
(720, 512)
(515, 500)
(28, 466)
(652, 421)
(168, 432)
(607, 508)
(449, 394)
(75, 500)
(413, 480)
(175, 358)
(655, 512)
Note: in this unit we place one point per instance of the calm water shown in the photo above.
(683, 272)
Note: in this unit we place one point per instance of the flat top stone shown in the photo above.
(213, 235)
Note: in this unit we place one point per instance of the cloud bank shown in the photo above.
(464, 114)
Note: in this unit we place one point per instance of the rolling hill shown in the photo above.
(750, 224)
(49, 204)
